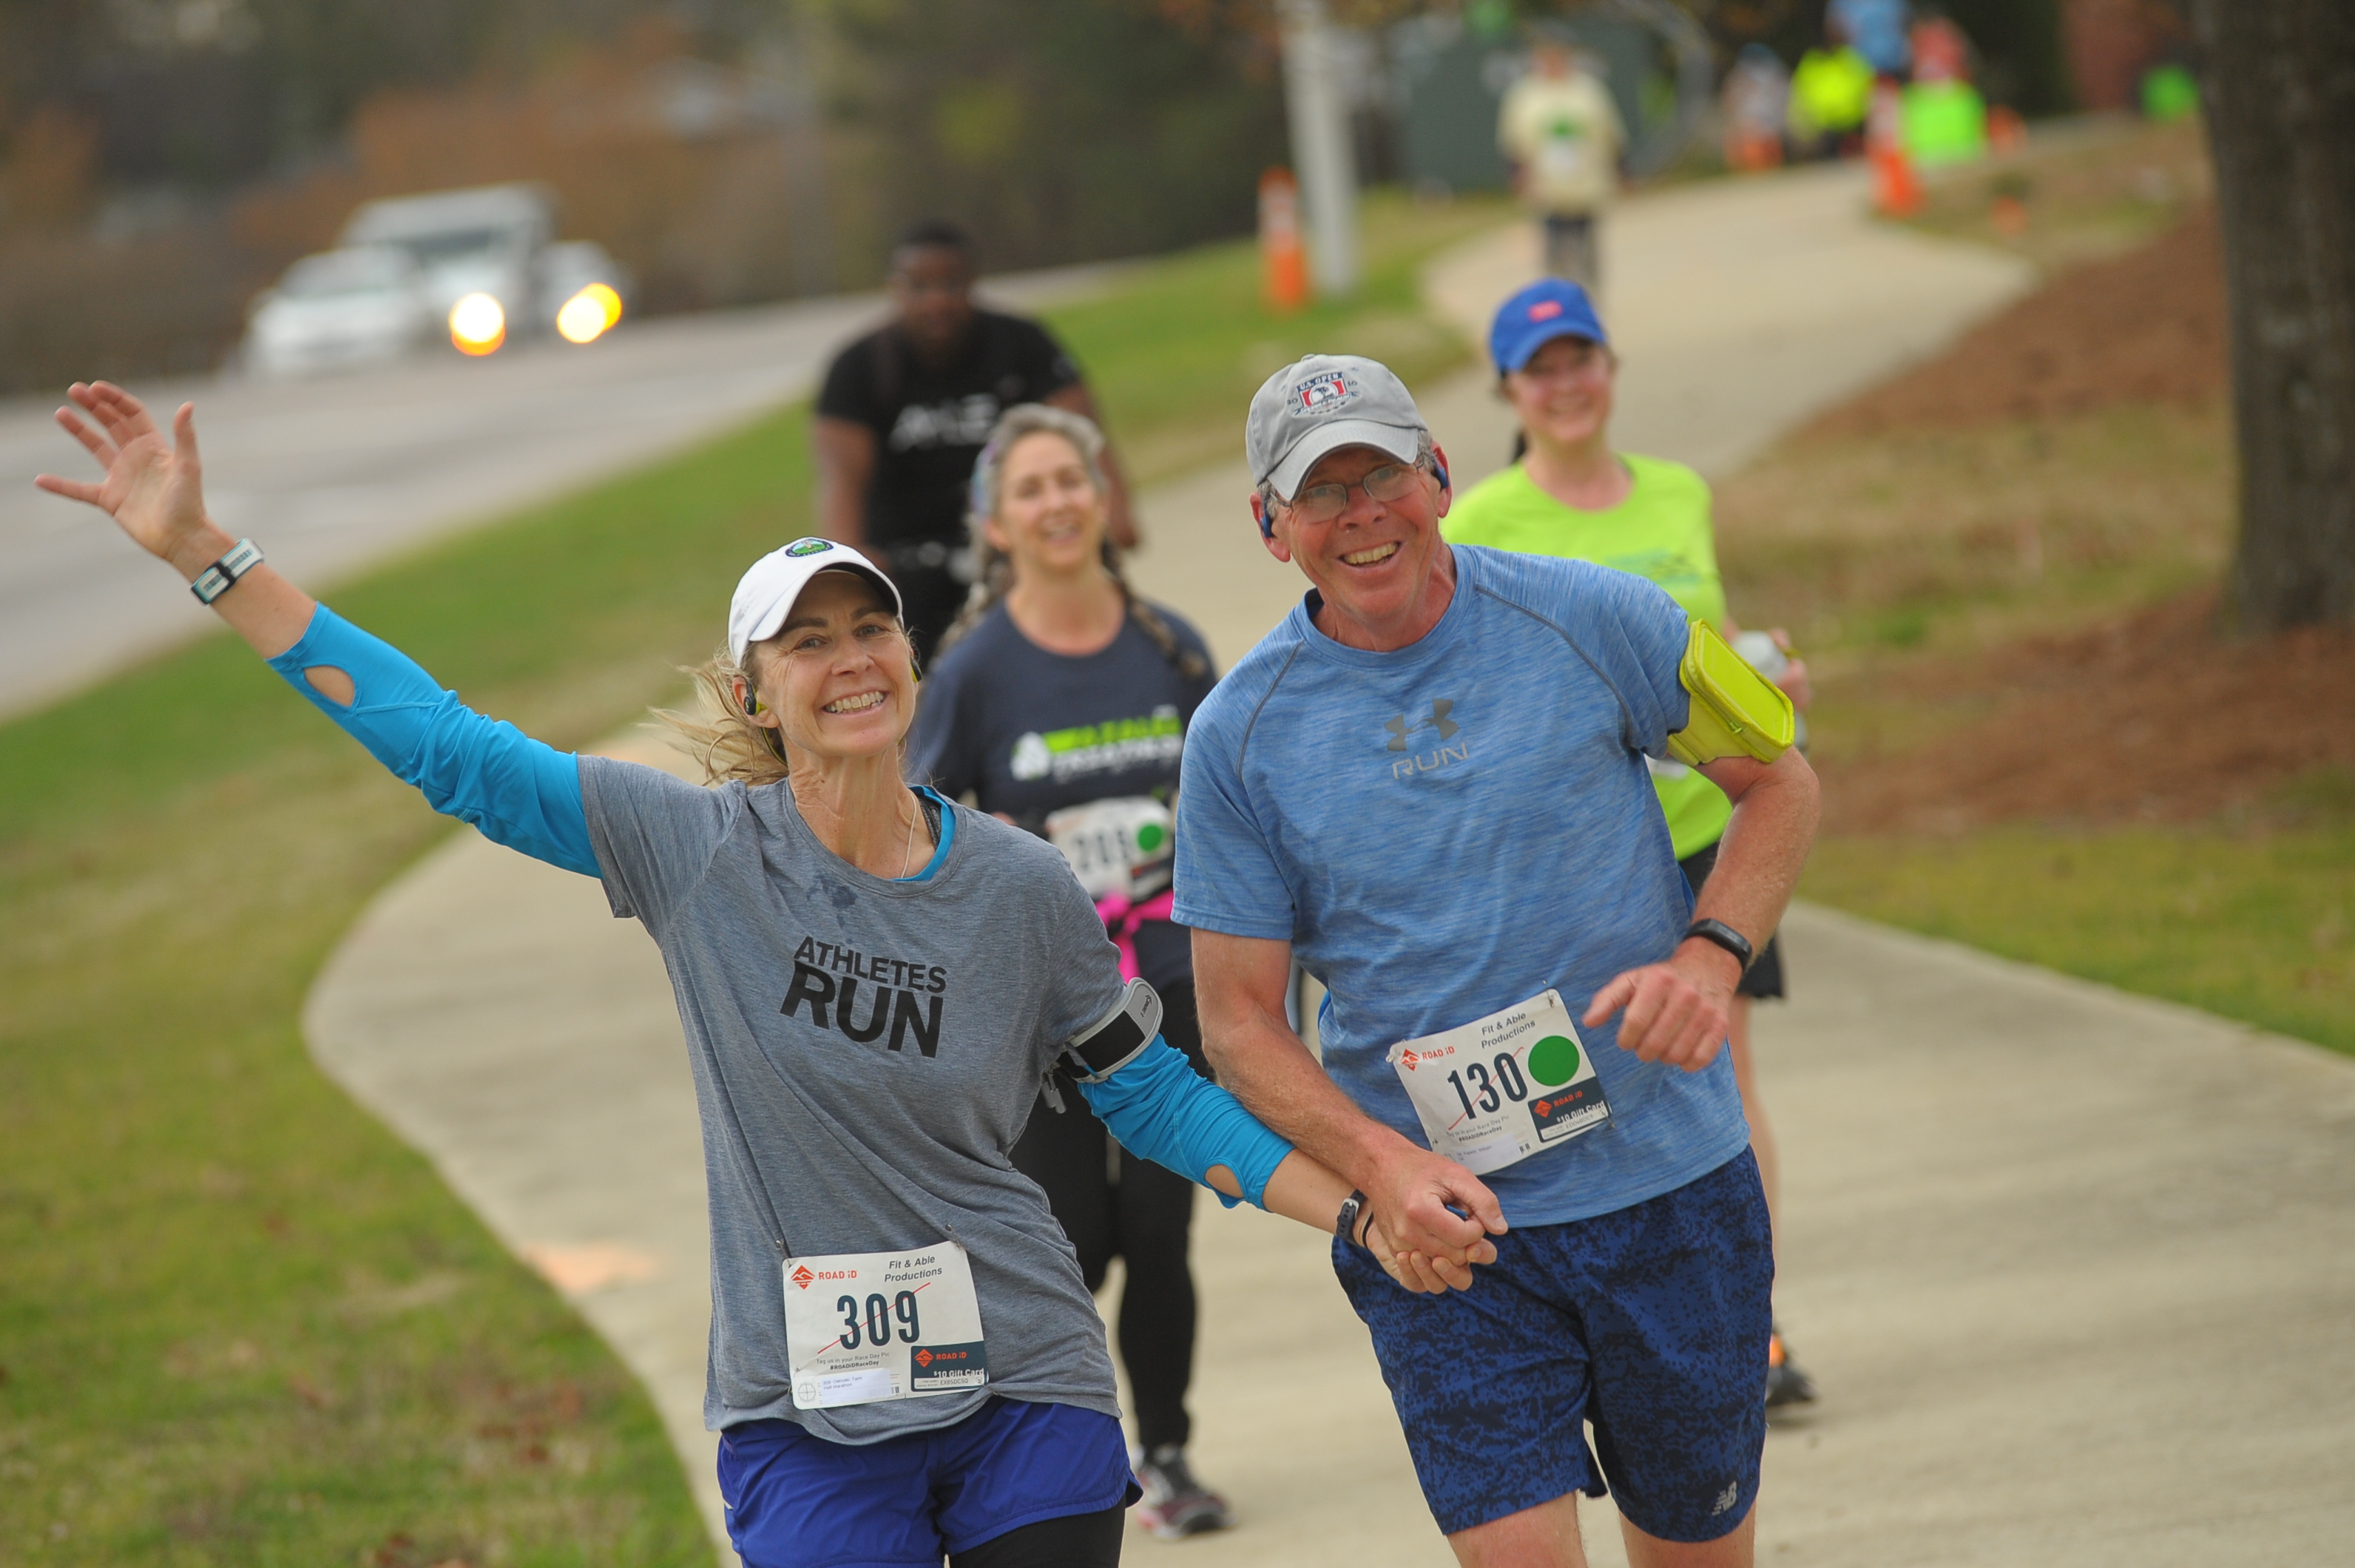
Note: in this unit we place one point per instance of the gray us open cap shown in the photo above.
(1320, 404)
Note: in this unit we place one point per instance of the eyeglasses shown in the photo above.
(1323, 503)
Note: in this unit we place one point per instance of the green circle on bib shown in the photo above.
(1553, 1060)
(1148, 838)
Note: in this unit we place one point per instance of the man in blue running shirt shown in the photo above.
(1429, 784)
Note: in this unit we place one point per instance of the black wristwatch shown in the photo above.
(1344, 1224)
(1725, 936)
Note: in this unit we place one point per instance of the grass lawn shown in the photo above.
(239, 1323)
(2258, 925)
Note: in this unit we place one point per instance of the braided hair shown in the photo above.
(993, 569)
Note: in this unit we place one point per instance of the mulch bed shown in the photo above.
(2145, 328)
(2162, 716)
(2155, 718)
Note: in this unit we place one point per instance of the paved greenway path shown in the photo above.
(2075, 1270)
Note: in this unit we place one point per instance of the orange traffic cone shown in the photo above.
(1283, 263)
(1896, 193)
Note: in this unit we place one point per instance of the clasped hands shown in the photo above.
(1429, 1221)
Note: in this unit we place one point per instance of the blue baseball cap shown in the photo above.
(1546, 309)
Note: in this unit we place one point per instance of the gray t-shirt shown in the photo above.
(865, 1053)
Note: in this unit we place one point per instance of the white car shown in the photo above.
(485, 240)
(340, 310)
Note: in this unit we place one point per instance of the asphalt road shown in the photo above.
(329, 475)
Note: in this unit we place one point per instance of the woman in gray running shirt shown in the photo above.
(905, 1363)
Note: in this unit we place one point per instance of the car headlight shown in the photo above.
(587, 315)
(478, 324)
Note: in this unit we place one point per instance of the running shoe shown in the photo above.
(1785, 1383)
(1176, 1505)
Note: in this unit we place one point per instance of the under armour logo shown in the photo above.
(1441, 708)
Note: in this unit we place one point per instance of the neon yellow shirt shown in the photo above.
(1831, 91)
(1661, 531)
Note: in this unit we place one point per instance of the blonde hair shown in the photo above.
(719, 734)
(993, 574)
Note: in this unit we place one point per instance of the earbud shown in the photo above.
(751, 702)
(1442, 470)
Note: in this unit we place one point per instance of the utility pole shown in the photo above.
(786, 61)
(1319, 111)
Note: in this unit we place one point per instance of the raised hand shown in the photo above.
(153, 488)
(1676, 1011)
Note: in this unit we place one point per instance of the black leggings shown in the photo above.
(1143, 1216)
(1075, 1541)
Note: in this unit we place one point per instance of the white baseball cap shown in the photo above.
(765, 594)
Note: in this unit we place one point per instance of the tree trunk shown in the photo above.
(2278, 82)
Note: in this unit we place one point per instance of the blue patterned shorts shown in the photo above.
(1651, 1322)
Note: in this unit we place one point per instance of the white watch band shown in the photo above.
(221, 575)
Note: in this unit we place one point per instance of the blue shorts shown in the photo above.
(798, 1501)
(1650, 1321)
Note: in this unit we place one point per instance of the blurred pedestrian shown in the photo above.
(1059, 702)
(1881, 30)
(1945, 119)
(1757, 102)
(1571, 495)
(904, 410)
(1562, 134)
(1831, 96)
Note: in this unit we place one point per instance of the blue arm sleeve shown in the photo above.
(520, 791)
(1162, 1110)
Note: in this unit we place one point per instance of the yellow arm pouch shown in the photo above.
(1736, 711)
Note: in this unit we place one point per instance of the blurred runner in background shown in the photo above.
(905, 408)
(1879, 29)
(1756, 103)
(1061, 700)
(1831, 94)
(1571, 496)
(1560, 131)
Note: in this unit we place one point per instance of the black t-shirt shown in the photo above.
(930, 422)
(1030, 732)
